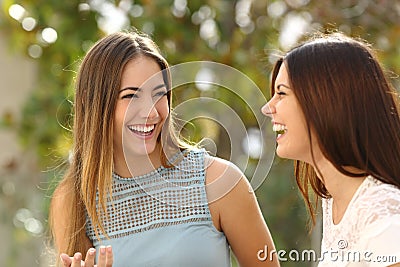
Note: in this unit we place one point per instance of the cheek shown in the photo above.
(302, 138)
(163, 108)
(119, 117)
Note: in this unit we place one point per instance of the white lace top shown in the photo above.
(369, 232)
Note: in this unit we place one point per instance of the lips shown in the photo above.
(142, 129)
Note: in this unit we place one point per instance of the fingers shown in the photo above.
(110, 256)
(105, 257)
(77, 260)
(90, 256)
(66, 260)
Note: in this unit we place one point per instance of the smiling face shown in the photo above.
(288, 120)
(141, 110)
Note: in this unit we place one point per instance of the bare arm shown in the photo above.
(61, 226)
(61, 221)
(235, 211)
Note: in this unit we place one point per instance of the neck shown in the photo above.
(341, 187)
(138, 165)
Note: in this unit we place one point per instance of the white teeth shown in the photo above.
(279, 128)
(141, 128)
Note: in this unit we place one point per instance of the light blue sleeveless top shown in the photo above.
(163, 219)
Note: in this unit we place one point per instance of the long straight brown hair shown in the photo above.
(90, 167)
(351, 107)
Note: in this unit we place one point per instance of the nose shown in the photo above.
(268, 109)
(149, 110)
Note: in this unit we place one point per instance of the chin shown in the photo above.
(283, 154)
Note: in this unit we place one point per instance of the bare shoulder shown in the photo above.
(224, 178)
(236, 212)
(216, 166)
(61, 197)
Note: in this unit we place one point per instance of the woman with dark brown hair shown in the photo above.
(337, 116)
(133, 193)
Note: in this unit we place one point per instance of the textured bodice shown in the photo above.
(369, 232)
(163, 219)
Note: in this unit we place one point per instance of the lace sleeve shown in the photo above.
(380, 242)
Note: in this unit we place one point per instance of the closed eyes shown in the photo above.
(135, 92)
(135, 95)
(162, 93)
(128, 96)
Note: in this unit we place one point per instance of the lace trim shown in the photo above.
(150, 174)
(133, 192)
(174, 160)
(155, 226)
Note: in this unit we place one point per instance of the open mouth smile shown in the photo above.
(144, 130)
(279, 128)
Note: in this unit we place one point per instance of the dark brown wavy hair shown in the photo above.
(351, 106)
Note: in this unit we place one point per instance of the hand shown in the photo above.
(105, 258)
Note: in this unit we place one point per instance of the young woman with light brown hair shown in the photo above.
(337, 116)
(133, 193)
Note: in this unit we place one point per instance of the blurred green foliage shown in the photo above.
(243, 34)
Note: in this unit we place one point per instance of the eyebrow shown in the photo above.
(138, 89)
(283, 85)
